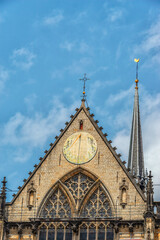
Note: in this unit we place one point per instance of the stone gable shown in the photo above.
(106, 166)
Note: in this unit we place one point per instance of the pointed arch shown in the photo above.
(51, 231)
(42, 231)
(79, 170)
(92, 176)
(72, 193)
(78, 185)
(97, 203)
(56, 203)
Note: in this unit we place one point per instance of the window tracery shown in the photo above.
(83, 231)
(92, 232)
(101, 231)
(42, 232)
(98, 205)
(60, 232)
(56, 206)
(78, 185)
(87, 231)
(90, 205)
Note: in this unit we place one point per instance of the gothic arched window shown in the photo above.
(51, 232)
(78, 185)
(56, 206)
(92, 231)
(79, 195)
(98, 205)
(83, 231)
(60, 232)
(81, 125)
(101, 232)
(42, 232)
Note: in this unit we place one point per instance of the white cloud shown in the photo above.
(57, 74)
(79, 17)
(115, 14)
(4, 75)
(20, 156)
(114, 98)
(30, 101)
(23, 58)
(150, 45)
(25, 132)
(12, 175)
(80, 66)
(84, 47)
(100, 69)
(152, 37)
(55, 18)
(121, 141)
(67, 46)
(150, 120)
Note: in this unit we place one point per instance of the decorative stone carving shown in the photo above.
(123, 193)
(31, 196)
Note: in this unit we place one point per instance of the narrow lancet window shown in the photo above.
(81, 125)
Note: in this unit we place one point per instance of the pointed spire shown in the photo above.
(135, 158)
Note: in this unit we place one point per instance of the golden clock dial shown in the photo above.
(80, 148)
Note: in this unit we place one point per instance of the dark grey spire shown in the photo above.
(135, 158)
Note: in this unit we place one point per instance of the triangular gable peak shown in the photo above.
(103, 137)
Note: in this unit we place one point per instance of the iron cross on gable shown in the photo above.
(84, 79)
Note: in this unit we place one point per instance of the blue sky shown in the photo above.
(46, 46)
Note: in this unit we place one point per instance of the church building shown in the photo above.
(82, 190)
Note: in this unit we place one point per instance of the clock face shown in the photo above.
(80, 148)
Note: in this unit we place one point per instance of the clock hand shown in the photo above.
(79, 148)
(75, 141)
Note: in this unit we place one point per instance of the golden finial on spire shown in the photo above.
(136, 81)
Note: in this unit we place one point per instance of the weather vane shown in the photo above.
(136, 81)
(84, 79)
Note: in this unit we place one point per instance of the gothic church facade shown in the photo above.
(82, 190)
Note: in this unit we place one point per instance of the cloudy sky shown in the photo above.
(46, 46)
